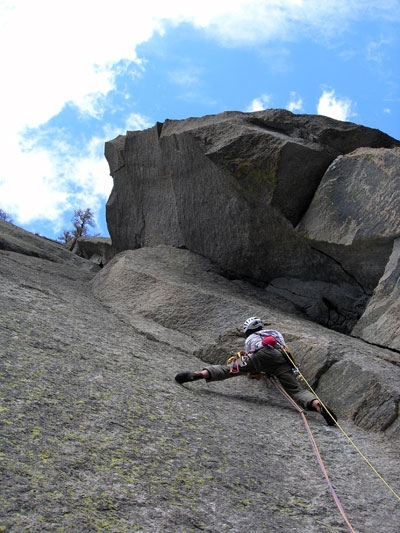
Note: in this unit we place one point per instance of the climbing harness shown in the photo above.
(239, 360)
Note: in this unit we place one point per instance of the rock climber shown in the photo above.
(265, 353)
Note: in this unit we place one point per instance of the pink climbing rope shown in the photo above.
(316, 451)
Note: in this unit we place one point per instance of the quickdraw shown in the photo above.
(235, 362)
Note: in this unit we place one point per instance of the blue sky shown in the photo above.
(78, 73)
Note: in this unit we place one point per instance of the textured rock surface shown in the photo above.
(358, 202)
(18, 240)
(98, 250)
(233, 187)
(96, 435)
(179, 298)
(358, 198)
(380, 322)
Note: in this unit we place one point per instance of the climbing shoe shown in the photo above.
(329, 415)
(184, 377)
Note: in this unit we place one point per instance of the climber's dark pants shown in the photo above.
(270, 361)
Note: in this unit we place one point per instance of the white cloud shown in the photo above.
(135, 121)
(63, 51)
(30, 193)
(375, 50)
(45, 183)
(186, 77)
(260, 103)
(240, 21)
(295, 103)
(330, 106)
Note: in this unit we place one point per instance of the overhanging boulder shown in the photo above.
(232, 187)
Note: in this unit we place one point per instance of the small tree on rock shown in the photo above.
(81, 221)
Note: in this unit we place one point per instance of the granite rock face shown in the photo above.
(358, 199)
(380, 322)
(98, 250)
(97, 436)
(180, 298)
(15, 239)
(242, 190)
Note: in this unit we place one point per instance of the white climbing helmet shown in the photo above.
(252, 323)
